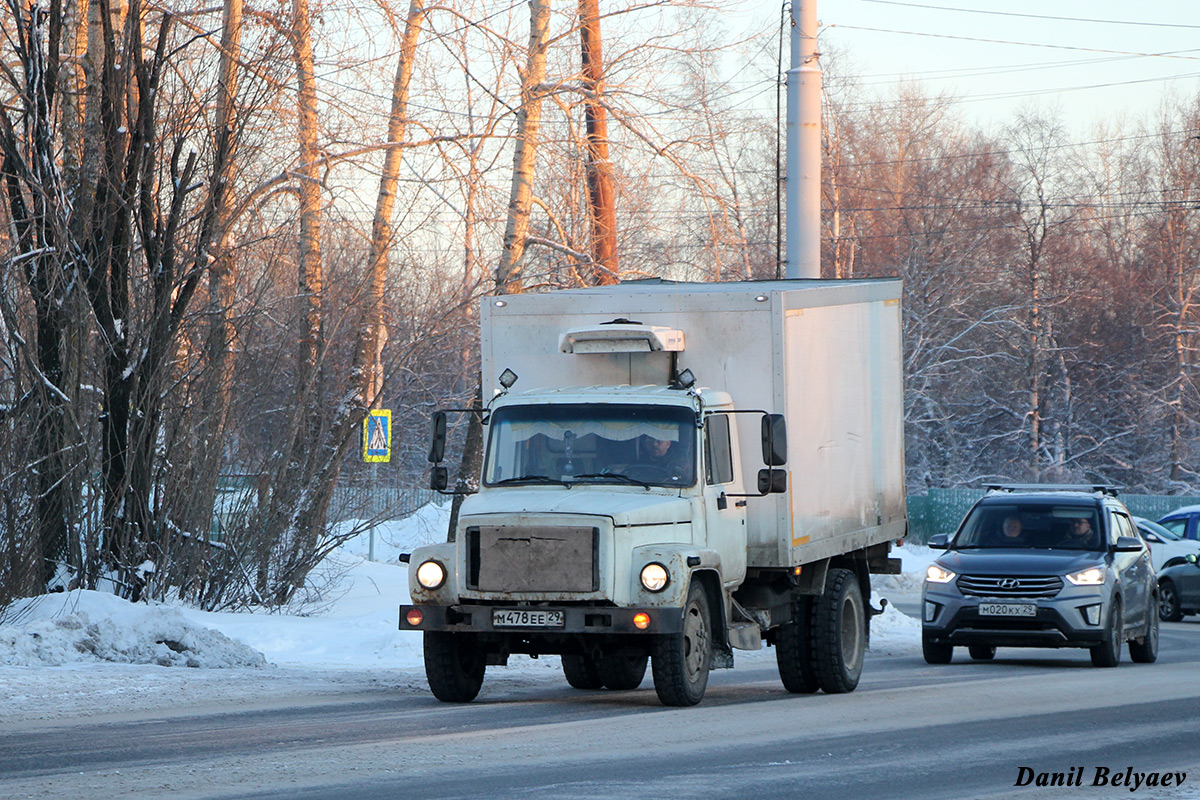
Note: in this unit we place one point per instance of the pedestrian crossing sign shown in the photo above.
(377, 436)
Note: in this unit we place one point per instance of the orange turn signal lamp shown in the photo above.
(641, 620)
(414, 617)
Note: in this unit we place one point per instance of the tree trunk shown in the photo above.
(217, 391)
(601, 196)
(510, 271)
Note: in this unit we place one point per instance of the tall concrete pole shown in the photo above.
(802, 254)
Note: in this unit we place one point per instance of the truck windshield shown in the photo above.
(592, 443)
(1037, 526)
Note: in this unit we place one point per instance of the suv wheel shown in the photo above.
(1108, 652)
(982, 652)
(1145, 649)
(936, 653)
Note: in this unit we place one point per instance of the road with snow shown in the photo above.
(910, 731)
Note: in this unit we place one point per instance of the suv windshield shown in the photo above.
(592, 443)
(1041, 525)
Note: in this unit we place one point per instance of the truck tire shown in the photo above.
(839, 633)
(681, 660)
(622, 673)
(581, 672)
(454, 666)
(1108, 652)
(793, 649)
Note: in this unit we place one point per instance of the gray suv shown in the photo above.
(1042, 566)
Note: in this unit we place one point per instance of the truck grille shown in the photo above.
(1010, 585)
(532, 559)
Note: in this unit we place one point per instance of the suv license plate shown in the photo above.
(526, 618)
(1008, 609)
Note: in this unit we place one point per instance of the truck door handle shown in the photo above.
(740, 504)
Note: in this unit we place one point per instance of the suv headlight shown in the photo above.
(935, 573)
(1092, 576)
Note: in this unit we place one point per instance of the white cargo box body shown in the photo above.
(826, 354)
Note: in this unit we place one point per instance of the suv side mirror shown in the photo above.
(1128, 544)
(774, 440)
(938, 541)
(437, 447)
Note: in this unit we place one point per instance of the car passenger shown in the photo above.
(1010, 534)
(1080, 535)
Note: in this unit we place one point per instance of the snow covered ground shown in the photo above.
(86, 653)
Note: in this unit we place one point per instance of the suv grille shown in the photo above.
(1010, 585)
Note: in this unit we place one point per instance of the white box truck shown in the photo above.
(672, 472)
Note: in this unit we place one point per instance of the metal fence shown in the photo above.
(238, 494)
(941, 510)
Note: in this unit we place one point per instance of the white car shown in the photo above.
(1167, 548)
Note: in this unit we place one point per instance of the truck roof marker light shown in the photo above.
(500, 303)
(641, 620)
(414, 617)
(684, 380)
(762, 298)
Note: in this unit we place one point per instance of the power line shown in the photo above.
(1038, 16)
(1165, 54)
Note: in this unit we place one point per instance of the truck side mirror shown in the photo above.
(439, 479)
(774, 440)
(772, 481)
(437, 448)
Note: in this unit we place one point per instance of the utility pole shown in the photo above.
(802, 253)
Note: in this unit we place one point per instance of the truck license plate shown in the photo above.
(526, 618)
(1008, 609)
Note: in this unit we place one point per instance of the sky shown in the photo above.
(1089, 59)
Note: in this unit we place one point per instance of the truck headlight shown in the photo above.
(1092, 576)
(655, 577)
(431, 574)
(938, 574)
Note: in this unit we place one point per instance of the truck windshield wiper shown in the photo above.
(532, 479)
(616, 476)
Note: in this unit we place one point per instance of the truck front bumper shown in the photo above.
(574, 620)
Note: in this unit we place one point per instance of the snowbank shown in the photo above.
(83, 625)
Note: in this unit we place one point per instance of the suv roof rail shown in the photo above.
(1101, 488)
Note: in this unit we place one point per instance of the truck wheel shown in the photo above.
(454, 666)
(1108, 652)
(581, 672)
(839, 633)
(793, 650)
(681, 660)
(622, 673)
(1145, 649)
